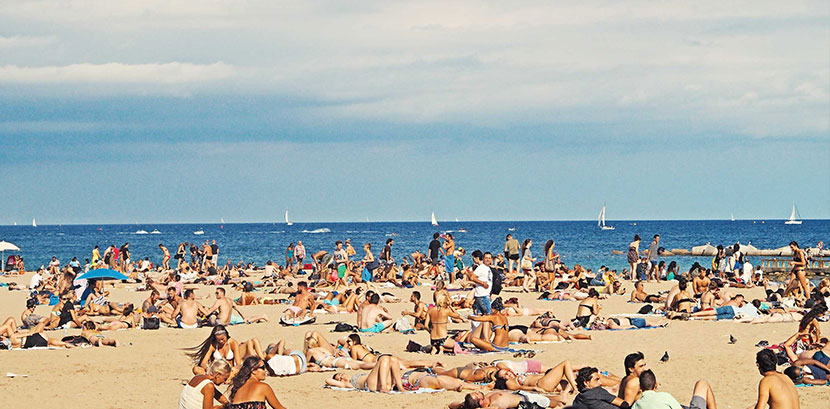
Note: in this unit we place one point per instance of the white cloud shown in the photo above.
(24, 41)
(168, 73)
(469, 61)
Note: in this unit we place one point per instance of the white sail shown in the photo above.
(795, 217)
(34, 223)
(221, 220)
(286, 219)
(456, 220)
(601, 220)
(434, 221)
(732, 216)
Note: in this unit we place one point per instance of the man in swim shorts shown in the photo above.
(374, 318)
(502, 400)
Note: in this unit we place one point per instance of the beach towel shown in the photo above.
(297, 321)
(417, 391)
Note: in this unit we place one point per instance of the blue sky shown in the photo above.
(189, 111)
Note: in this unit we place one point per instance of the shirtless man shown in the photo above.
(420, 312)
(187, 312)
(503, 400)
(630, 391)
(303, 301)
(225, 307)
(700, 283)
(639, 295)
(775, 389)
(321, 259)
(708, 298)
(373, 317)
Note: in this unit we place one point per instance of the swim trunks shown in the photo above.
(186, 326)
(377, 328)
(235, 320)
(341, 270)
(725, 313)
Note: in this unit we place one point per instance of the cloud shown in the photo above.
(25, 41)
(168, 73)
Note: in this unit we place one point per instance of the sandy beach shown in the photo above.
(148, 368)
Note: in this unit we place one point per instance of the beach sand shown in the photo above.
(149, 367)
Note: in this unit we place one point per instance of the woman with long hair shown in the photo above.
(634, 256)
(248, 391)
(220, 345)
(798, 274)
(201, 391)
(527, 266)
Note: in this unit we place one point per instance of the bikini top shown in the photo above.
(588, 306)
(218, 355)
(497, 327)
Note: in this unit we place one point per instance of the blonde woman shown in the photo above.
(202, 390)
(527, 266)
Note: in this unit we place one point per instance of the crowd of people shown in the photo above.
(339, 281)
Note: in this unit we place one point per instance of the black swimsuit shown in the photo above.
(35, 340)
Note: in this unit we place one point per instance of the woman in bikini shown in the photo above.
(587, 309)
(436, 320)
(495, 324)
(220, 345)
(319, 350)
(683, 301)
(202, 391)
(384, 377)
(128, 319)
(798, 274)
(248, 391)
(92, 336)
(10, 338)
(548, 382)
(357, 350)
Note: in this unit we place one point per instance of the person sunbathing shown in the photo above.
(321, 352)
(496, 325)
(220, 345)
(549, 381)
(126, 320)
(384, 377)
(527, 335)
(505, 400)
(248, 391)
(202, 390)
(808, 372)
(92, 335)
(513, 309)
(639, 295)
(64, 314)
(280, 361)
(437, 319)
(10, 338)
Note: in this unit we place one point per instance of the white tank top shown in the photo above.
(191, 397)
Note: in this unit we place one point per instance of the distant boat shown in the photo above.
(199, 232)
(15, 224)
(367, 219)
(287, 222)
(732, 216)
(511, 229)
(456, 220)
(141, 232)
(34, 223)
(601, 220)
(793, 219)
(434, 221)
(221, 220)
(155, 232)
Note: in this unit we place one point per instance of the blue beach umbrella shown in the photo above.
(102, 273)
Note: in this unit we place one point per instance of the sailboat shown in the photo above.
(286, 219)
(221, 220)
(434, 221)
(732, 216)
(793, 219)
(34, 223)
(456, 220)
(601, 220)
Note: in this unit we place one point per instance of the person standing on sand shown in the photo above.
(775, 389)
(449, 256)
(482, 276)
(434, 249)
(652, 256)
(633, 256)
(511, 252)
(165, 257)
(341, 262)
(215, 251)
(299, 254)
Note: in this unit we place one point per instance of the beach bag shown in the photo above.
(498, 281)
(151, 323)
(366, 275)
(343, 327)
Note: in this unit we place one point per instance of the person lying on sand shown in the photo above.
(505, 400)
(10, 338)
(639, 295)
(319, 350)
(549, 381)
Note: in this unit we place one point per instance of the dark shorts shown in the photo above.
(513, 256)
(35, 340)
(821, 357)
